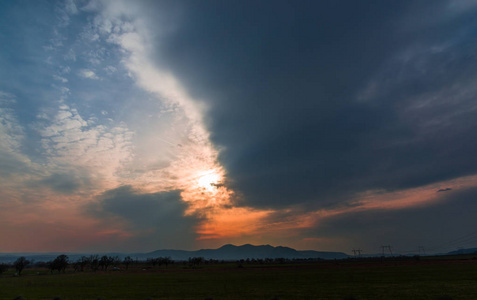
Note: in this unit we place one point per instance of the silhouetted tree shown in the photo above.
(153, 261)
(127, 261)
(20, 264)
(195, 261)
(81, 263)
(106, 261)
(84, 261)
(165, 261)
(115, 260)
(93, 261)
(60, 263)
(3, 267)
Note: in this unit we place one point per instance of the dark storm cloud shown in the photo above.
(313, 100)
(436, 228)
(160, 216)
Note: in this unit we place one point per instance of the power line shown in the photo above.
(457, 242)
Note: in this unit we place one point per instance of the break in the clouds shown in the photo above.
(306, 124)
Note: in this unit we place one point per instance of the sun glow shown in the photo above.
(209, 180)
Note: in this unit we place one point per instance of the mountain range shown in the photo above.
(232, 252)
(226, 252)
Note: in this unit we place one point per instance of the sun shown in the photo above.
(208, 180)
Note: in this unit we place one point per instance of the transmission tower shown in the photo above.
(357, 252)
(422, 250)
(387, 247)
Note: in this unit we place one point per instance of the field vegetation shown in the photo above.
(390, 278)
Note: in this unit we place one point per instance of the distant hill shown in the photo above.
(463, 251)
(226, 252)
(232, 252)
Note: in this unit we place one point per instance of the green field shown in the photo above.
(425, 279)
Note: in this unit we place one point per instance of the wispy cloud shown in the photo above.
(12, 161)
(60, 78)
(70, 141)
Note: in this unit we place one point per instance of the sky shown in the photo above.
(134, 126)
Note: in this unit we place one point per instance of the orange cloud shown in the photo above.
(233, 222)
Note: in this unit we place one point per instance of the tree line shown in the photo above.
(19, 265)
(105, 263)
(91, 263)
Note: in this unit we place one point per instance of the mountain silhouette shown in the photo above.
(232, 252)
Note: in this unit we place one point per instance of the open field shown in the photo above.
(424, 279)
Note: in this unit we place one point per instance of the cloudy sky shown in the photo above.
(326, 125)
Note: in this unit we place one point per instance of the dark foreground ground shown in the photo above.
(352, 279)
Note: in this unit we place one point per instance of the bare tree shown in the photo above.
(3, 267)
(60, 263)
(82, 263)
(127, 261)
(152, 261)
(94, 262)
(195, 261)
(106, 261)
(20, 264)
(115, 260)
(166, 261)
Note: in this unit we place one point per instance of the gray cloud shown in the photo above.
(10, 164)
(66, 183)
(157, 218)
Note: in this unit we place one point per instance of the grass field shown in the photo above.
(425, 279)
